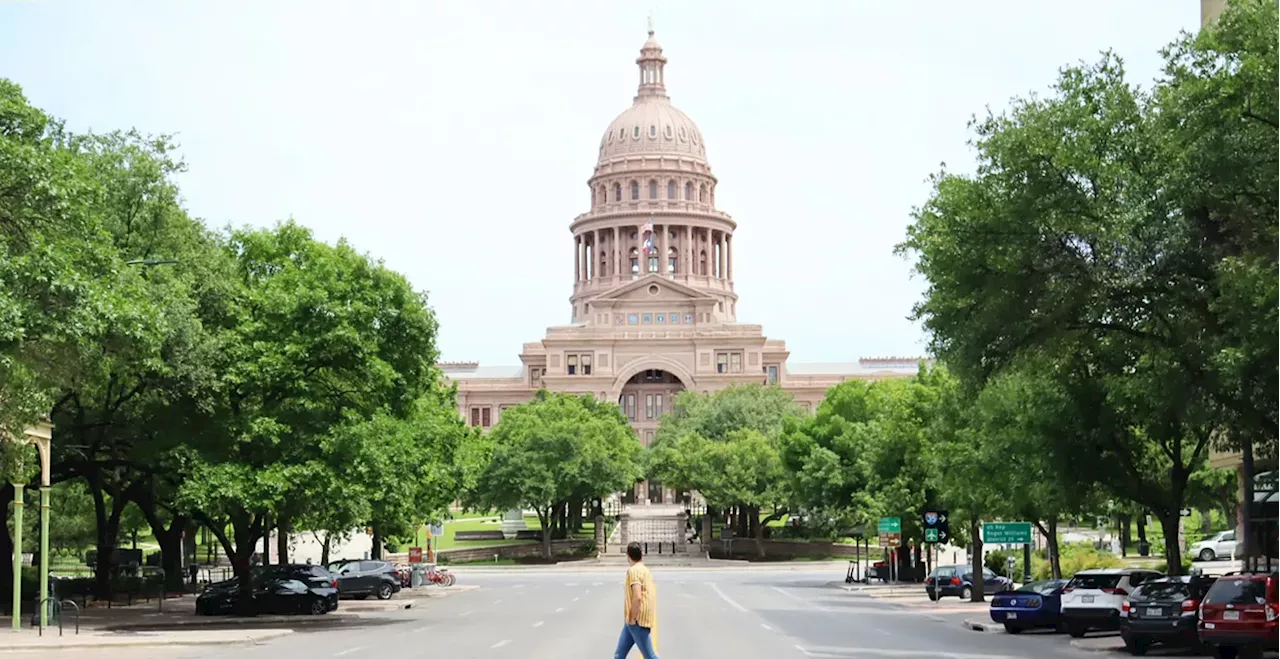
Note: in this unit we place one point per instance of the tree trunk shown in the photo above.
(545, 518)
(1172, 550)
(1142, 527)
(108, 524)
(1245, 548)
(375, 552)
(1123, 520)
(282, 541)
(246, 531)
(777, 514)
(975, 530)
(743, 521)
(1055, 556)
(324, 546)
(266, 540)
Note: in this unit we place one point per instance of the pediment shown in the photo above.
(652, 288)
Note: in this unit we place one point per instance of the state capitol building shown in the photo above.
(654, 309)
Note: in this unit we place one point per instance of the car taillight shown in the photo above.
(1115, 591)
(335, 584)
(955, 581)
(1271, 613)
(1190, 606)
(1068, 589)
(1124, 608)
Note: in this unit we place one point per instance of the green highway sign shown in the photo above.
(1006, 533)
(931, 535)
(889, 525)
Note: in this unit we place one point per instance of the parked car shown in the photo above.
(1093, 599)
(1036, 604)
(1215, 546)
(276, 589)
(1164, 611)
(1238, 615)
(360, 579)
(958, 580)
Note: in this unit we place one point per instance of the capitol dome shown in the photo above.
(652, 126)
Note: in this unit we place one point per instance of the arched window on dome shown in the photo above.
(603, 270)
(653, 189)
(635, 191)
(617, 192)
(688, 191)
(671, 189)
(702, 194)
(673, 257)
(604, 195)
(702, 263)
(635, 263)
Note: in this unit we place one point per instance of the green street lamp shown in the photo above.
(41, 435)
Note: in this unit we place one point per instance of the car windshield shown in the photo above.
(1238, 591)
(1163, 590)
(1095, 581)
(1040, 587)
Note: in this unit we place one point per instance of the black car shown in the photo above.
(1165, 611)
(958, 580)
(360, 579)
(276, 589)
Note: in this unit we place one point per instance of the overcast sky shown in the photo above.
(454, 139)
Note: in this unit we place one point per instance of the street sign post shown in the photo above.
(937, 528)
(415, 554)
(890, 532)
(1006, 533)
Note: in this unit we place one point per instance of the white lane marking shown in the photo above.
(572, 583)
(500, 643)
(497, 601)
(559, 609)
(576, 598)
(806, 652)
(883, 631)
(767, 627)
(347, 651)
(689, 595)
(726, 598)
(800, 600)
(597, 583)
(849, 653)
(464, 614)
(519, 585)
(537, 624)
(422, 629)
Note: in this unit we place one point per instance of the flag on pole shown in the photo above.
(648, 239)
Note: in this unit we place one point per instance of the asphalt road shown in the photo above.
(703, 614)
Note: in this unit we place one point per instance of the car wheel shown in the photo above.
(1012, 629)
(933, 595)
(385, 591)
(1207, 554)
(1075, 631)
(318, 607)
(966, 594)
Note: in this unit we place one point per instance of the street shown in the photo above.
(709, 613)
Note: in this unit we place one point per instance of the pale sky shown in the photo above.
(454, 139)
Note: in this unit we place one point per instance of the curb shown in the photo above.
(55, 643)
(1083, 644)
(223, 623)
(977, 626)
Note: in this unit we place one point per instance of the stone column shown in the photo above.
(624, 531)
(686, 251)
(641, 257)
(595, 254)
(577, 258)
(728, 250)
(720, 258)
(662, 257)
(602, 541)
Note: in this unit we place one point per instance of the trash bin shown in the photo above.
(417, 575)
(1144, 548)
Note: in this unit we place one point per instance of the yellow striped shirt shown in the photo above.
(648, 616)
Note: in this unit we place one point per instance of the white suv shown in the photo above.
(1093, 599)
(1217, 546)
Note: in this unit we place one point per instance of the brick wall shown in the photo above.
(524, 549)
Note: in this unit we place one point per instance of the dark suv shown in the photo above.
(1164, 610)
(360, 579)
(958, 580)
(1238, 615)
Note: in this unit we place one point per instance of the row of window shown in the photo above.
(579, 364)
(667, 132)
(651, 319)
(652, 406)
(701, 194)
(728, 362)
(482, 415)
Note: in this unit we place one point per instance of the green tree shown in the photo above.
(698, 444)
(318, 336)
(553, 449)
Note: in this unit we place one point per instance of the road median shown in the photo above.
(29, 640)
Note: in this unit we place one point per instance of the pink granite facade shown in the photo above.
(654, 308)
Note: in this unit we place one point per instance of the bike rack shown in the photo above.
(57, 607)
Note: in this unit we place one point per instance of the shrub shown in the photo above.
(1075, 557)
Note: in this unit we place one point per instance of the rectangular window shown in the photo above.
(671, 265)
(475, 416)
(657, 406)
(661, 318)
(646, 318)
(648, 406)
(635, 268)
(586, 364)
(688, 319)
(722, 362)
(675, 319)
(633, 319)
(735, 362)
(631, 406)
(572, 361)
(653, 264)
(648, 438)
(773, 375)
(484, 417)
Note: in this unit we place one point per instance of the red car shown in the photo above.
(1238, 617)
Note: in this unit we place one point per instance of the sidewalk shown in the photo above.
(1099, 643)
(28, 640)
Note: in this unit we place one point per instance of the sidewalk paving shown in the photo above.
(28, 640)
(1099, 643)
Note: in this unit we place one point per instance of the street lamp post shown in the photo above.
(41, 435)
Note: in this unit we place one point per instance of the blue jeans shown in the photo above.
(637, 636)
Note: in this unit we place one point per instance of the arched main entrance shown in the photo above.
(644, 398)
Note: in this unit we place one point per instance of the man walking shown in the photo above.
(639, 610)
